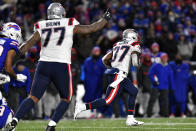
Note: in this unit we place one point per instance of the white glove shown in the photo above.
(21, 77)
(4, 79)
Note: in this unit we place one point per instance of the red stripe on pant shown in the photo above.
(113, 92)
(131, 110)
(89, 104)
(70, 83)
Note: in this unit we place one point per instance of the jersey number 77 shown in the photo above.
(49, 32)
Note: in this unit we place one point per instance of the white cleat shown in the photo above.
(78, 109)
(133, 122)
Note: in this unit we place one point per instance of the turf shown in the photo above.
(151, 124)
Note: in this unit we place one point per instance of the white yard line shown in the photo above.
(142, 128)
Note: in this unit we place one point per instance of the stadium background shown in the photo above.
(160, 21)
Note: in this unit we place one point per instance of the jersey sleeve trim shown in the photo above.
(135, 43)
(70, 22)
(14, 43)
(115, 45)
(36, 25)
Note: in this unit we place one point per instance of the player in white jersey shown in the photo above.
(123, 54)
(56, 35)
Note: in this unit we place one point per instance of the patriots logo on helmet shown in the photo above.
(16, 27)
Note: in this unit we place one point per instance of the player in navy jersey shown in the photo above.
(10, 37)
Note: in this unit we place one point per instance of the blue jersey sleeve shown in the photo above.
(14, 45)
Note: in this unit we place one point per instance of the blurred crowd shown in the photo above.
(166, 79)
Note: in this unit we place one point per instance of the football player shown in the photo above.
(56, 35)
(123, 54)
(10, 37)
(5, 113)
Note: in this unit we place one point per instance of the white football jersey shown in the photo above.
(56, 39)
(122, 55)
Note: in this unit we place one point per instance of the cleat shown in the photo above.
(50, 128)
(12, 125)
(133, 122)
(78, 109)
(183, 115)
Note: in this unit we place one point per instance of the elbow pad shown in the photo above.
(135, 60)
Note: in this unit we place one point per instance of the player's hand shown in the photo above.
(4, 79)
(107, 15)
(21, 77)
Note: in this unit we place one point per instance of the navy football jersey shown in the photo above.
(6, 44)
(4, 113)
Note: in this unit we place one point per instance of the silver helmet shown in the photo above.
(55, 11)
(130, 35)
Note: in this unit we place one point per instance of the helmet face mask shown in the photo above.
(12, 31)
(55, 11)
(130, 35)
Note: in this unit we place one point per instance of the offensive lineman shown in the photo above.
(56, 35)
(123, 54)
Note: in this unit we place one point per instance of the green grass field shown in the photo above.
(151, 124)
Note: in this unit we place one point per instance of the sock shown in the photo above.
(24, 108)
(60, 111)
(131, 104)
(130, 116)
(52, 123)
(96, 104)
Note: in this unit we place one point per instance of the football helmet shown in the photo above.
(130, 35)
(12, 30)
(55, 11)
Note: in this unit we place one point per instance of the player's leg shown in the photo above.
(40, 83)
(133, 91)
(111, 94)
(62, 79)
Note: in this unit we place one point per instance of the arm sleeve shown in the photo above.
(14, 45)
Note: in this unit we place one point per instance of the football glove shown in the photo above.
(107, 15)
(4, 79)
(21, 77)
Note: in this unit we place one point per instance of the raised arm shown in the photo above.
(107, 59)
(94, 27)
(32, 41)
